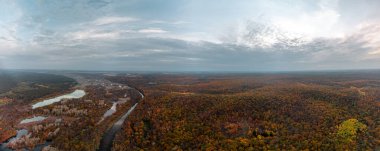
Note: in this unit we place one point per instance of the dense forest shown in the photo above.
(315, 111)
(7, 82)
(27, 86)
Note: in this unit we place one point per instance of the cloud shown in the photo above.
(113, 20)
(136, 35)
(139, 52)
(152, 31)
(169, 22)
(311, 25)
(95, 34)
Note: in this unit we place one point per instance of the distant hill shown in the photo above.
(6, 82)
(23, 86)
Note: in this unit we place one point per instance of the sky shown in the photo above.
(190, 35)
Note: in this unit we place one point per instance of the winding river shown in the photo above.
(109, 136)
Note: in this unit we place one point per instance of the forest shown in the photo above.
(71, 123)
(287, 111)
(6, 82)
(19, 88)
(197, 111)
(24, 86)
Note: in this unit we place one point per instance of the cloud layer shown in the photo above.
(190, 36)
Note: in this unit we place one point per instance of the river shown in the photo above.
(109, 136)
(74, 95)
(34, 119)
(20, 133)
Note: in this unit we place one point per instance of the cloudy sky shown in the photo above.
(190, 35)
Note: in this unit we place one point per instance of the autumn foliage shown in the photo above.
(253, 112)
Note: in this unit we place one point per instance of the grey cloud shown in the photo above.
(144, 53)
(49, 42)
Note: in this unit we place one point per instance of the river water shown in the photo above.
(20, 133)
(34, 119)
(74, 95)
(108, 137)
(109, 112)
(107, 140)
